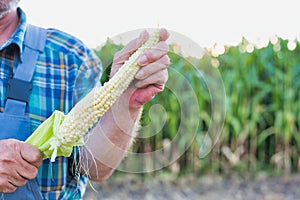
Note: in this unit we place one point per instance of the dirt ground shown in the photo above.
(190, 187)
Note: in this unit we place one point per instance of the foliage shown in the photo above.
(106, 55)
(262, 110)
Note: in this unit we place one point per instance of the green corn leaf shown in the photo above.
(45, 138)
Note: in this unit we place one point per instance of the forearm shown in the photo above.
(109, 141)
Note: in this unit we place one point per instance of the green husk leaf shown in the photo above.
(45, 138)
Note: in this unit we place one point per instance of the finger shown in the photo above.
(7, 187)
(18, 159)
(31, 154)
(11, 174)
(152, 68)
(26, 170)
(154, 53)
(21, 170)
(142, 96)
(133, 45)
(130, 48)
(17, 180)
(159, 78)
(163, 34)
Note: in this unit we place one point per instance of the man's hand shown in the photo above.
(153, 73)
(19, 162)
(114, 133)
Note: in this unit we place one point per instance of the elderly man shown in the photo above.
(42, 70)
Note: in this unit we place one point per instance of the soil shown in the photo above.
(191, 187)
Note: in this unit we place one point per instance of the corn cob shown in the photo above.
(72, 128)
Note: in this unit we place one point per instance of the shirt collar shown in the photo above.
(17, 37)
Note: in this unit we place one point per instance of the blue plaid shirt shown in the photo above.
(64, 73)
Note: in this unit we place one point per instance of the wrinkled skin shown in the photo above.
(19, 162)
(153, 74)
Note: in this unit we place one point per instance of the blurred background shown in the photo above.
(253, 47)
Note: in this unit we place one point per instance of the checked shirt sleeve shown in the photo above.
(88, 75)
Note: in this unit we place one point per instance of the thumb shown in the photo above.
(134, 44)
(122, 55)
(31, 154)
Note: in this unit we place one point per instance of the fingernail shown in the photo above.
(142, 60)
(140, 74)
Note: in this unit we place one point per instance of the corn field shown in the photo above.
(261, 125)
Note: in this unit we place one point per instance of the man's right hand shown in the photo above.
(19, 162)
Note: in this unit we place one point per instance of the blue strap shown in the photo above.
(34, 42)
(35, 38)
(15, 107)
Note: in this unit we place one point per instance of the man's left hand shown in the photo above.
(153, 74)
